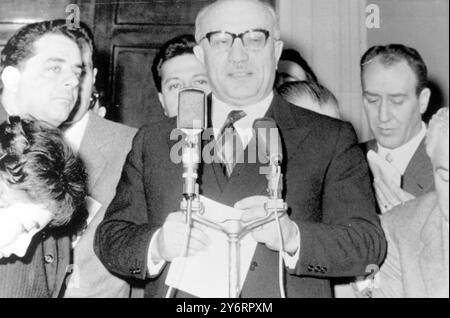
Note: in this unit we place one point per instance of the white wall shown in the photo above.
(422, 24)
(332, 36)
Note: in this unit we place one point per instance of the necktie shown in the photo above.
(229, 144)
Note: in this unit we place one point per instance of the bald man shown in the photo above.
(332, 229)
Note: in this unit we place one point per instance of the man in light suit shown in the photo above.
(103, 146)
(332, 229)
(40, 71)
(395, 95)
(417, 264)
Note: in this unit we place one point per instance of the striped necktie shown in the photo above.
(229, 144)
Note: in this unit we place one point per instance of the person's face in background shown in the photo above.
(239, 76)
(20, 220)
(392, 106)
(86, 85)
(46, 85)
(177, 73)
(289, 72)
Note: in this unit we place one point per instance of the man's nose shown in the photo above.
(238, 52)
(384, 112)
(71, 79)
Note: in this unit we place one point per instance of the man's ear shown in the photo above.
(10, 78)
(199, 54)
(163, 104)
(279, 45)
(424, 100)
(95, 71)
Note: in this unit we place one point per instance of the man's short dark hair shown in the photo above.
(390, 54)
(35, 159)
(180, 45)
(20, 47)
(84, 35)
(295, 57)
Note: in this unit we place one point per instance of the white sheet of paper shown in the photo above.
(205, 275)
(382, 169)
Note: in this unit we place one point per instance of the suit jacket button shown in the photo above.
(49, 259)
(253, 266)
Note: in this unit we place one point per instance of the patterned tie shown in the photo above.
(229, 144)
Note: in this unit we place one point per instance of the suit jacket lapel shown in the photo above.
(64, 254)
(94, 139)
(434, 255)
(246, 179)
(372, 145)
(418, 178)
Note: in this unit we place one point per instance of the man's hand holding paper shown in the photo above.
(170, 240)
(268, 234)
(205, 273)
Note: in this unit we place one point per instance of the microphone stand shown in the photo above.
(235, 230)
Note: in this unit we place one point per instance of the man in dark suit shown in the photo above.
(395, 93)
(332, 229)
(40, 70)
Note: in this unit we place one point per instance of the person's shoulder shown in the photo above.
(159, 128)
(305, 115)
(113, 126)
(157, 132)
(406, 219)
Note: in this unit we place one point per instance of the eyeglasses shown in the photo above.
(252, 39)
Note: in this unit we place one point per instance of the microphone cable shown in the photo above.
(281, 252)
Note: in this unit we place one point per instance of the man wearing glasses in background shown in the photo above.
(332, 229)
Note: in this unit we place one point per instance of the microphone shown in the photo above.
(269, 141)
(191, 121)
(270, 149)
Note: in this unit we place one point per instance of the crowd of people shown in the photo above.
(91, 208)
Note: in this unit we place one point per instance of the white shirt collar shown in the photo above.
(74, 134)
(402, 155)
(221, 110)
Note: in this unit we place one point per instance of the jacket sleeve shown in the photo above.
(122, 239)
(349, 239)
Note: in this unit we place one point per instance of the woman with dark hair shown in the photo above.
(42, 184)
(312, 96)
(292, 67)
